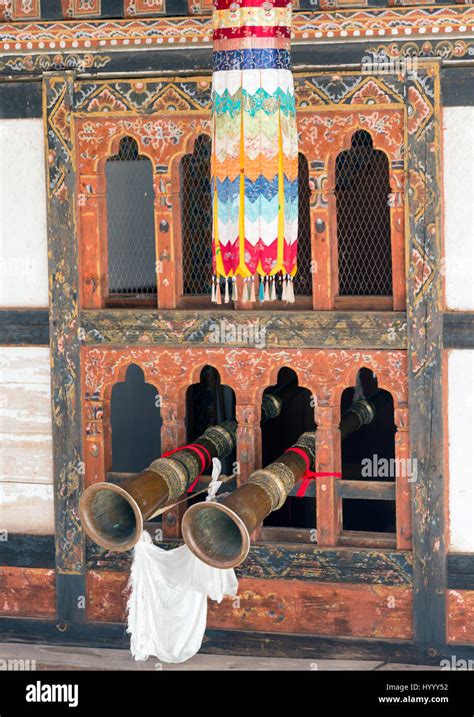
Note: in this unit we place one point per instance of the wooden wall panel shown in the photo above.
(26, 472)
(27, 592)
(24, 365)
(460, 616)
(25, 408)
(23, 234)
(460, 395)
(106, 597)
(458, 187)
(322, 608)
(26, 458)
(283, 606)
(27, 507)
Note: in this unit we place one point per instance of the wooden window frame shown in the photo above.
(105, 366)
(323, 135)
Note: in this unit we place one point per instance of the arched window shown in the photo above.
(279, 434)
(196, 218)
(368, 454)
(135, 419)
(303, 278)
(130, 225)
(208, 403)
(363, 220)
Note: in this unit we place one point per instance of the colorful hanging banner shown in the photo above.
(254, 150)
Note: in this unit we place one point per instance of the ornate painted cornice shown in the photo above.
(308, 27)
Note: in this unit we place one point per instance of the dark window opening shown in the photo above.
(303, 276)
(208, 403)
(196, 218)
(279, 434)
(366, 455)
(135, 423)
(130, 225)
(363, 219)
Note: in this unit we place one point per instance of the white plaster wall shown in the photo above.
(23, 237)
(458, 172)
(461, 449)
(26, 472)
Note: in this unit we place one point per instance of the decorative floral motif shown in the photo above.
(171, 100)
(81, 8)
(418, 110)
(58, 62)
(106, 101)
(144, 7)
(370, 94)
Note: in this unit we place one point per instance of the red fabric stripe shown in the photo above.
(225, 4)
(229, 33)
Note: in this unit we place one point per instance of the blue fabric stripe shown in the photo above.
(251, 59)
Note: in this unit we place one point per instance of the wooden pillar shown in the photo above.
(167, 238)
(397, 233)
(173, 434)
(95, 462)
(328, 460)
(92, 211)
(403, 485)
(321, 245)
(249, 440)
(249, 446)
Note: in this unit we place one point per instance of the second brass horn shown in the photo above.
(218, 532)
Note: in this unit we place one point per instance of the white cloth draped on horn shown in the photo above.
(167, 607)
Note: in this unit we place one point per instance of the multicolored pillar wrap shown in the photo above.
(255, 150)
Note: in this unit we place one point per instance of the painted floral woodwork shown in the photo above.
(248, 371)
(166, 118)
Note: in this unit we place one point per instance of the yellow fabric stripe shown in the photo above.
(242, 269)
(217, 246)
(281, 204)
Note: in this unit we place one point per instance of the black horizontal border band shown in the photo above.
(458, 329)
(20, 327)
(318, 329)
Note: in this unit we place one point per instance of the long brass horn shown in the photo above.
(218, 532)
(113, 515)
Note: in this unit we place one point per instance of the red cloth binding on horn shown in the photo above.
(308, 475)
(200, 450)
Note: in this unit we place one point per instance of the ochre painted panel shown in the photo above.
(283, 606)
(460, 616)
(27, 592)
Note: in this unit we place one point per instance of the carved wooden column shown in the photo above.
(249, 440)
(173, 435)
(403, 480)
(95, 443)
(167, 240)
(92, 215)
(249, 446)
(328, 461)
(323, 201)
(397, 233)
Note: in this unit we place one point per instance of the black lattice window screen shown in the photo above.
(363, 219)
(196, 218)
(196, 222)
(303, 282)
(130, 224)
